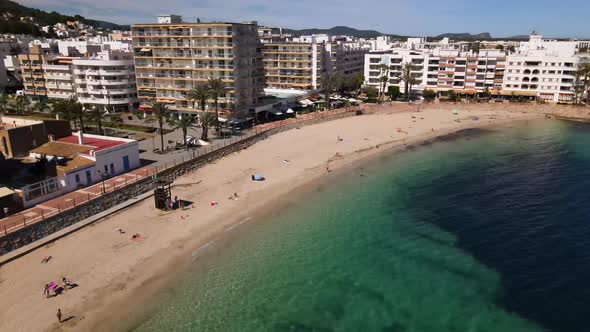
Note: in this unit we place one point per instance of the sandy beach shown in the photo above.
(113, 272)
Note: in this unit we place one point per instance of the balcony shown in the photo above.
(58, 95)
(106, 101)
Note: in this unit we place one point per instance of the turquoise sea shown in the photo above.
(485, 230)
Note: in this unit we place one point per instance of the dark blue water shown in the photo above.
(481, 231)
(527, 217)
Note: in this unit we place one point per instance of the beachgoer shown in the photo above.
(121, 231)
(46, 290)
(252, 177)
(235, 195)
(135, 236)
(45, 259)
(59, 315)
(176, 200)
(66, 283)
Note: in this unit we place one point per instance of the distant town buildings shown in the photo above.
(538, 68)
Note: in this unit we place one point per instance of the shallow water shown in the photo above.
(485, 231)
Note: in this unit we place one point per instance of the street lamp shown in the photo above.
(103, 176)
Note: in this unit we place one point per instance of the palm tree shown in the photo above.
(77, 111)
(94, 114)
(207, 120)
(61, 107)
(161, 113)
(327, 83)
(4, 99)
(407, 78)
(139, 115)
(115, 120)
(200, 93)
(356, 82)
(184, 122)
(216, 90)
(384, 79)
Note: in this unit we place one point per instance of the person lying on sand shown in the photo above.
(121, 231)
(66, 284)
(136, 237)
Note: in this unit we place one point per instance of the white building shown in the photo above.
(58, 78)
(81, 160)
(438, 69)
(106, 80)
(543, 69)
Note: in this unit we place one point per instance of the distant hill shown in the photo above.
(339, 30)
(465, 36)
(10, 13)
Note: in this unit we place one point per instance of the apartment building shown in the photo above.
(31, 65)
(106, 80)
(57, 72)
(465, 72)
(438, 69)
(543, 69)
(172, 57)
(347, 58)
(291, 65)
(394, 60)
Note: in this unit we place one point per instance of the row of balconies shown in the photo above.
(105, 91)
(102, 72)
(108, 101)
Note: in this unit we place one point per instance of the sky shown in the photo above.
(501, 18)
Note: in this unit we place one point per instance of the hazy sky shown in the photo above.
(564, 18)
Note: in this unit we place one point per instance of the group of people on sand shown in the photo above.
(56, 289)
(174, 204)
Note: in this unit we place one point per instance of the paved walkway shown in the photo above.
(67, 201)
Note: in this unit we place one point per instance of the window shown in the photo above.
(112, 169)
(77, 178)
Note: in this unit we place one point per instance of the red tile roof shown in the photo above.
(98, 143)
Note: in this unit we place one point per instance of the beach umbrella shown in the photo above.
(455, 111)
(258, 177)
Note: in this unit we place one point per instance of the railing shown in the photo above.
(147, 175)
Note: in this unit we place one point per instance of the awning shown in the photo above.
(305, 102)
(220, 119)
(145, 50)
(6, 192)
(290, 111)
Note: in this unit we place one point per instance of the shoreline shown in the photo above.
(150, 271)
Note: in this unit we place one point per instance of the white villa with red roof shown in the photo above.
(81, 160)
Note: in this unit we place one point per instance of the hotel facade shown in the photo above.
(172, 57)
(438, 70)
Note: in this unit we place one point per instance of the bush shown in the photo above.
(393, 92)
(371, 92)
(429, 95)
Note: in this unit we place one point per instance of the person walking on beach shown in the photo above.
(59, 315)
(46, 290)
